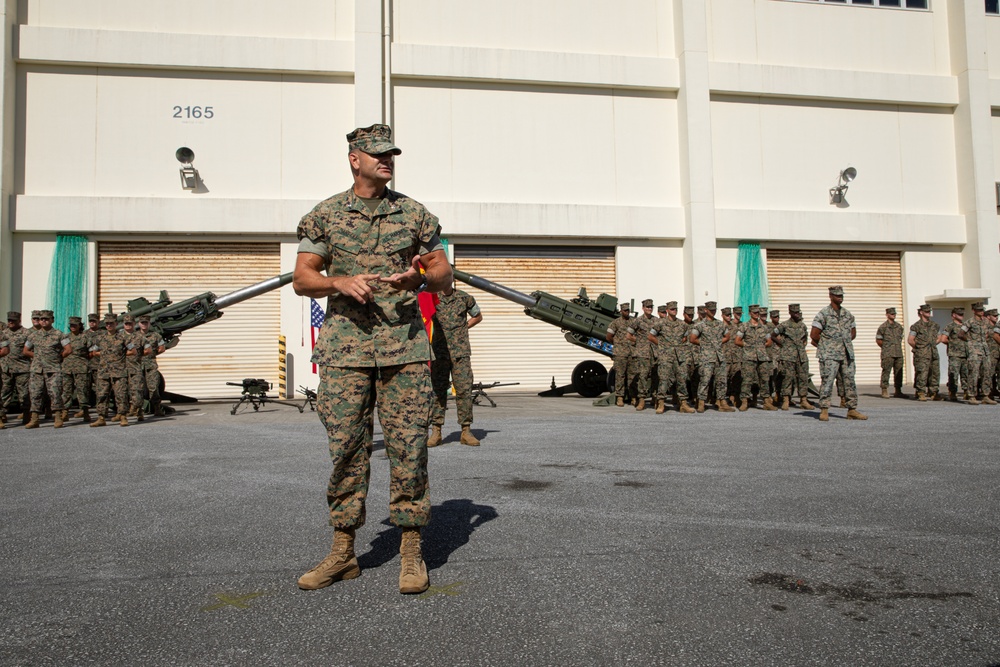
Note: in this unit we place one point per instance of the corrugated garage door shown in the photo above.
(871, 282)
(242, 344)
(509, 346)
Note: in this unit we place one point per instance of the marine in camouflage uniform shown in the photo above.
(640, 363)
(994, 347)
(46, 346)
(455, 313)
(617, 335)
(889, 338)
(153, 346)
(94, 330)
(791, 336)
(688, 352)
(833, 331)
(773, 352)
(135, 343)
(16, 367)
(709, 335)
(923, 339)
(35, 369)
(734, 356)
(669, 335)
(372, 349)
(958, 355)
(978, 329)
(752, 338)
(112, 375)
(76, 371)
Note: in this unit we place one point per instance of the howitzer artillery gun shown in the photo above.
(584, 320)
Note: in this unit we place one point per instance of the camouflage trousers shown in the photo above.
(734, 373)
(620, 368)
(76, 385)
(794, 375)
(893, 365)
(830, 371)
(978, 374)
(639, 370)
(45, 383)
(958, 374)
(444, 371)
(105, 386)
(672, 378)
(927, 374)
(346, 401)
(15, 388)
(713, 369)
(153, 378)
(777, 377)
(755, 373)
(136, 385)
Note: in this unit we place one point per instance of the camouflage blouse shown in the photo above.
(16, 360)
(671, 339)
(642, 348)
(451, 330)
(79, 357)
(835, 342)
(957, 347)
(754, 341)
(112, 348)
(925, 335)
(47, 346)
(891, 335)
(619, 328)
(794, 336)
(710, 335)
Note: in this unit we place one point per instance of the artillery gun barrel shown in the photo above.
(501, 291)
(250, 292)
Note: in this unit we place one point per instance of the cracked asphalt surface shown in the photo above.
(575, 535)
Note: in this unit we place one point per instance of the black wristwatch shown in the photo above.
(423, 284)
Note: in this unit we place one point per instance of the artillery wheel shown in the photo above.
(590, 378)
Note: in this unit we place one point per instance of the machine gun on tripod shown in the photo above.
(479, 391)
(255, 394)
(310, 398)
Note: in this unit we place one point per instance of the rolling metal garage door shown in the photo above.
(871, 282)
(509, 346)
(242, 344)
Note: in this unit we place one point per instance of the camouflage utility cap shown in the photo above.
(374, 140)
(45, 314)
(35, 314)
(671, 304)
(977, 305)
(727, 311)
(76, 320)
(110, 318)
(992, 312)
(661, 309)
(647, 303)
(689, 310)
(775, 313)
(890, 311)
(958, 310)
(13, 315)
(837, 290)
(93, 317)
(143, 318)
(794, 308)
(128, 319)
(737, 309)
(710, 305)
(925, 308)
(624, 306)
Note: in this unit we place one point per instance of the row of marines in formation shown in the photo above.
(735, 362)
(45, 369)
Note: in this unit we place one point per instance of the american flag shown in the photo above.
(316, 317)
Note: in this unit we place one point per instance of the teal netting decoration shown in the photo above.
(751, 278)
(67, 294)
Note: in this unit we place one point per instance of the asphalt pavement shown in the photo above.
(575, 535)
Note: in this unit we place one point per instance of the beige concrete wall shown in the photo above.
(650, 272)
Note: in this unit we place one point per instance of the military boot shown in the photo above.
(843, 401)
(59, 419)
(952, 396)
(988, 401)
(824, 414)
(854, 414)
(899, 393)
(78, 414)
(701, 405)
(131, 412)
(677, 401)
(805, 404)
(769, 404)
(121, 419)
(724, 406)
(64, 414)
(139, 414)
(744, 405)
(921, 396)
(753, 401)
(937, 396)
(965, 397)
(412, 570)
(434, 439)
(785, 402)
(85, 414)
(467, 438)
(661, 407)
(25, 417)
(98, 422)
(33, 422)
(641, 405)
(340, 563)
(620, 402)
(686, 408)
(885, 392)
(973, 400)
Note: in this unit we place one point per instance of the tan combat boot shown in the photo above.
(59, 419)
(805, 404)
(965, 397)
(724, 406)
(786, 402)
(641, 405)
(85, 414)
(340, 563)
(937, 396)
(854, 414)
(921, 396)
(843, 401)
(701, 405)
(744, 405)
(988, 401)
(98, 422)
(131, 411)
(33, 422)
(769, 404)
(434, 439)
(952, 396)
(824, 414)
(467, 438)
(973, 400)
(121, 419)
(885, 392)
(686, 409)
(620, 402)
(78, 414)
(661, 406)
(412, 570)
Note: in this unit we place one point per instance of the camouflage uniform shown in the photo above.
(793, 358)
(891, 335)
(112, 375)
(835, 354)
(452, 355)
(16, 369)
(671, 343)
(622, 352)
(94, 364)
(734, 358)
(76, 369)
(978, 330)
(640, 363)
(756, 361)
(958, 358)
(375, 352)
(773, 353)
(994, 353)
(711, 361)
(135, 343)
(152, 342)
(926, 361)
(47, 347)
(688, 355)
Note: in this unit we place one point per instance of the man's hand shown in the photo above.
(357, 287)
(409, 279)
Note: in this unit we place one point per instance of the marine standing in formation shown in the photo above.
(76, 371)
(618, 330)
(110, 347)
(669, 335)
(372, 349)
(640, 363)
(709, 335)
(833, 332)
(753, 338)
(135, 343)
(455, 314)
(957, 340)
(791, 337)
(17, 366)
(46, 347)
(153, 346)
(978, 329)
(924, 338)
(889, 338)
